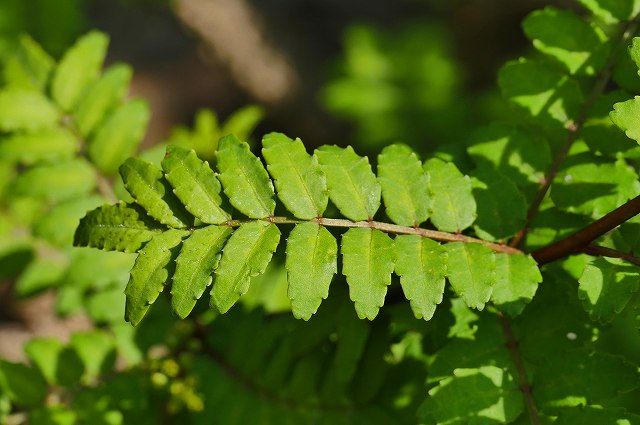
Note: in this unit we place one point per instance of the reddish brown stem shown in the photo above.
(601, 251)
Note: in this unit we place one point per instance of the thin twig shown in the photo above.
(389, 228)
(601, 251)
(574, 129)
(523, 381)
(583, 237)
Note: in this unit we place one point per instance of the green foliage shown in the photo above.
(529, 297)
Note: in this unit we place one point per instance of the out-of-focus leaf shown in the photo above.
(26, 110)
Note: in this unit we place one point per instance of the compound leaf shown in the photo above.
(118, 227)
(353, 187)
(246, 254)
(471, 270)
(453, 208)
(244, 179)
(517, 278)
(568, 38)
(312, 254)
(150, 273)
(491, 396)
(26, 110)
(367, 256)
(198, 258)
(301, 185)
(119, 136)
(101, 97)
(195, 184)
(421, 265)
(146, 184)
(405, 186)
(79, 67)
(606, 286)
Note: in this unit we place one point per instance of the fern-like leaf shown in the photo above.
(246, 254)
(244, 179)
(195, 184)
(301, 186)
(367, 263)
(312, 254)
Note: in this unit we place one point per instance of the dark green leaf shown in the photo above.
(606, 286)
(471, 270)
(591, 415)
(150, 273)
(246, 254)
(22, 384)
(312, 254)
(421, 265)
(244, 179)
(405, 186)
(198, 258)
(300, 184)
(96, 349)
(119, 227)
(367, 262)
(79, 67)
(195, 184)
(353, 187)
(58, 364)
(453, 206)
(119, 136)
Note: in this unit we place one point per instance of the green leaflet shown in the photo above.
(23, 385)
(119, 136)
(244, 179)
(58, 364)
(517, 278)
(491, 396)
(312, 254)
(79, 67)
(606, 286)
(367, 256)
(198, 258)
(26, 110)
(612, 11)
(568, 38)
(471, 270)
(404, 185)
(29, 67)
(570, 379)
(40, 274)
(625, 116)
(353, 187)
(300, 184)
(421, 265)
(58, 225)
(119, 227)
(96, 349)
(195, 184)
(53, 144)
(150, 273)
(589, 185)
(146, 183)
(453, 208)
(502, 211)
(57, 182)
(543, 93)
(246, 254)
(243, 121)
(101, 97)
